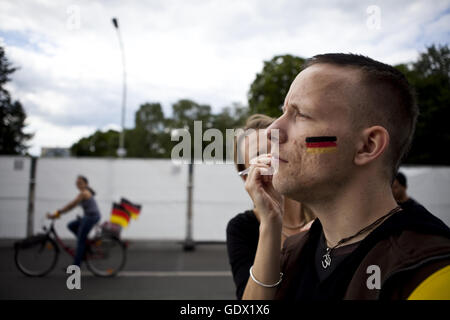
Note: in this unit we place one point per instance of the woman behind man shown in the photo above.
(243, 229)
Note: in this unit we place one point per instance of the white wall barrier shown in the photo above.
(14, 181)
(160, 186)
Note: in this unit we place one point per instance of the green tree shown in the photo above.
(230, 117)
(184, 113)
(151, 137)
(269, 89)
(12, 114)
(430, 77)
(99, 144)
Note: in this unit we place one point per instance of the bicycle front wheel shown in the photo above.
(36, 256)
(106, 256)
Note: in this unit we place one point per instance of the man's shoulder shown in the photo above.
(418, 219)
(404, 281)
(407, 249)
(434, 286)
(414, 241)
(414, 235)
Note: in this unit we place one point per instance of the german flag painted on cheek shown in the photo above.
(321, 144)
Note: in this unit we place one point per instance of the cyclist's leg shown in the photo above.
(74, 226)
(86, 224)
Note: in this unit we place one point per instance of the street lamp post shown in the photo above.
(189, 244)
(121, 152)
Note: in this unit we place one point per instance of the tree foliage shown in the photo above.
(151, 135)
(99, 144)
(12, 114)
(430, 77)
(268, 90)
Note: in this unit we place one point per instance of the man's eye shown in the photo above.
(302, 115)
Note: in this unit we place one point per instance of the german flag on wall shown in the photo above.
(320, 144)
(119, 215)
(132, 208)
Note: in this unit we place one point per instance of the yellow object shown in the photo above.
(435, 287)
(321, 150)
(57, 214)
(119, 220)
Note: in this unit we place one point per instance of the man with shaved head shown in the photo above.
(347, 122)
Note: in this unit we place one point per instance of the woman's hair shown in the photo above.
(85, 180)
(255, 121)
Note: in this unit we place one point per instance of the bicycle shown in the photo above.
(36, 256)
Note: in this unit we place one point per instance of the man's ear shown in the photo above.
(374, 141)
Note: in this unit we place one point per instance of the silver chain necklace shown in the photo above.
(326, 258)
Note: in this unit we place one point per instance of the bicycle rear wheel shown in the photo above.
(105, 256)
(36, 256)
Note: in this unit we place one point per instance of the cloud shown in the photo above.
(208, 51)
(47, 134)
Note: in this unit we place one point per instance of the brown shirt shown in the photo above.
(407, 247)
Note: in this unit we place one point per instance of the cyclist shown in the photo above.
(81, 227)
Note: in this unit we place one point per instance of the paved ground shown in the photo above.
(153, 271)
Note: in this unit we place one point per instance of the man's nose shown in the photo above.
(275, 134)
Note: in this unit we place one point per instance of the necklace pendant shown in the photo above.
(326, 259)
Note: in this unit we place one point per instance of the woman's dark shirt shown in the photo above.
(90, 207)
(242, 242)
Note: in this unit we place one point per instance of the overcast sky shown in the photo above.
(70, 76)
